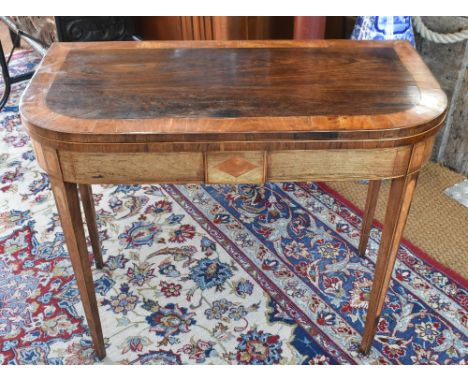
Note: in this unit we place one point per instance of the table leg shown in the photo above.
(66, 198)
(371, 203)
(86, 194)
(399, 201)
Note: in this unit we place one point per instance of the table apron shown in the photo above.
(242, 166)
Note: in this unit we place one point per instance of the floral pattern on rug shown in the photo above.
(203, 274)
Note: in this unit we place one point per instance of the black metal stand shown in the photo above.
(7, 79)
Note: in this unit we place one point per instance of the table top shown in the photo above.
(118, 91)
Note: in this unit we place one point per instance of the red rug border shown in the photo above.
(418, 251)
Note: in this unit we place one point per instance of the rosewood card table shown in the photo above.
(232, 112)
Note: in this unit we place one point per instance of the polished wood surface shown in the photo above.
(232, 112)
(242, 83)
(182, 91)
(174, 83)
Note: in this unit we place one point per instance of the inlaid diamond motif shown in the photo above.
(236, 166)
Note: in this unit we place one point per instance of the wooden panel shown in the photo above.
(247, 27)
(159, 27)
(290, 82)
(196, 27)
(236, 167)
(337, 164)
(335, 27)
(132, 167)
(214, 27)
(309, 27)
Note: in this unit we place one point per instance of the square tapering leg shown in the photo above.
(399, 201)
(86, 194)
(67, 200)
(369, 212)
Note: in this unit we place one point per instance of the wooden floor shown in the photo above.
(437, 224)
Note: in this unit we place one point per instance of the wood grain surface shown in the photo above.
(231, 83)
(230, 90)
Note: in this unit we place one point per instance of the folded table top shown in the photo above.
(231, 90)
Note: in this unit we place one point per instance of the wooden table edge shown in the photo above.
(35, 110)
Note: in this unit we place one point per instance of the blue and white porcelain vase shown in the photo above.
(383, 28)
